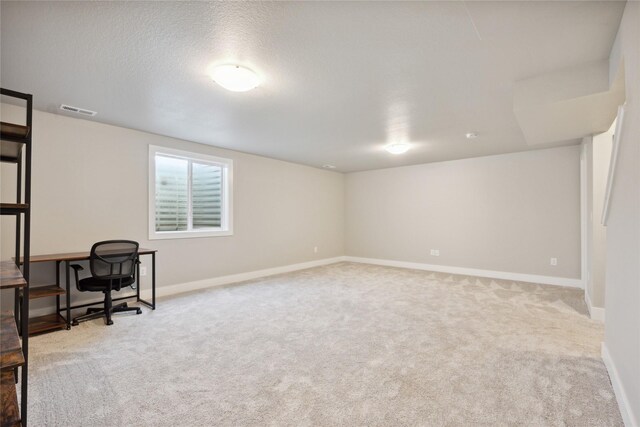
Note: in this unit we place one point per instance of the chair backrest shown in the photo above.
(113, 259)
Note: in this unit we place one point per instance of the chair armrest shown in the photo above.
(76, 269)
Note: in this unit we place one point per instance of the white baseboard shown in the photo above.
(596, 313)
(235, 278)
(207, 283)
(241, 277)
(532, 278)
(630, 420)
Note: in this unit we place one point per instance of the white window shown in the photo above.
(190, 194)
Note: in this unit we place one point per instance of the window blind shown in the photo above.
(188, 194)
(206, 195)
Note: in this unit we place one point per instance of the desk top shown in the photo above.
(75, 256)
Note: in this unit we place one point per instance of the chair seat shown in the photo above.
(93, 284)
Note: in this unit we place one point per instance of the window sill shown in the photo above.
(164, 235)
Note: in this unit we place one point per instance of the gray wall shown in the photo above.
(622, 326)
(508, 213)
(281, 210)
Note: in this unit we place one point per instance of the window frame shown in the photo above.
(226, 212)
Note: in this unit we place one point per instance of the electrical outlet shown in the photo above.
(435, 252)
(143, 271)
(315, 249)
(553, 261)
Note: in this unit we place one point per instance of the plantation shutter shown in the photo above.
(172, 194)
(175, 179)
(206, 195)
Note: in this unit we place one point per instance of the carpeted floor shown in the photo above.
(341, 345)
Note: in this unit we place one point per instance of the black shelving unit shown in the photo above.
(15, 147)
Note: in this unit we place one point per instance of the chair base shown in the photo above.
(96, 313)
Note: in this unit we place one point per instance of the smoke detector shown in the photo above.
(76, 110)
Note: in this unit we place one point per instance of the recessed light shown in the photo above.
(328, 166)
(235, 78)
(397, 147)
(472, 135)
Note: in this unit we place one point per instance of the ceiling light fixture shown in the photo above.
(397, 147)
(328, 166)
(235, 78)
(472, 135)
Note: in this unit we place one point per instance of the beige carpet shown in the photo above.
(341, 345)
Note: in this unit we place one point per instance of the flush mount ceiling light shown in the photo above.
(397, 148)
(328, 166)
(235, 78)
(472, 135)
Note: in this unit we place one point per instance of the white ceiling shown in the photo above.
(341, 79)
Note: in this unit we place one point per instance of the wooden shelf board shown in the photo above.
(10, 276)
(13, 208)
(10, 151)
(9, 411)
(74, 256)
(11, 351)
(45, 291)
(13, 131)
(48, 322)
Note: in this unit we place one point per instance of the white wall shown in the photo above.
(508, 213)
(622, 326)
(598, 159)
(90, 183)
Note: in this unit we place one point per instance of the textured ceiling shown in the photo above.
(341, 79)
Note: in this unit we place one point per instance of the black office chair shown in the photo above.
(113, 265)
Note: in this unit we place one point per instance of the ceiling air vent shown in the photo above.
(77, 110)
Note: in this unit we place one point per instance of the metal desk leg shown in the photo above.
(58, 284)
(152, 304)
(153, 280)
(68, 283)
(138, 280)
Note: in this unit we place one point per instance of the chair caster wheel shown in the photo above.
(110, 322)
(139, 311)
